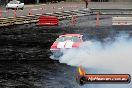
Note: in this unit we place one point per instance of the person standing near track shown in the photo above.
(86, 1)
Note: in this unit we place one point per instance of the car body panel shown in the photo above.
(67, 41)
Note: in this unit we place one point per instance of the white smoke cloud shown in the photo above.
(98, 57)
(116, 56)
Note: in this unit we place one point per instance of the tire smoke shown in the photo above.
(114, 55)
(97, 57)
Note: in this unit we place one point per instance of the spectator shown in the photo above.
(86, 1)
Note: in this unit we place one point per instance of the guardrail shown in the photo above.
(107, 9)
(121, 11)
(121, 20)
(4, 22)
(30, 18)
(18, 20)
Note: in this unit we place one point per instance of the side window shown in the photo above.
(60, 39)
(76, 39)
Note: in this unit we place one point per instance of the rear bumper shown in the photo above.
(60, 49)
(54, 50)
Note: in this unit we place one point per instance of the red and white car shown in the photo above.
(67, 41)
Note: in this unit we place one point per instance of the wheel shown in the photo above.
(22, 8)
(17, 8)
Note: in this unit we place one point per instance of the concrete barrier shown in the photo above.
(27, 19)
(20, 20)
(4, 22)
(48, 21)
(32, 18)
(11, 20)
(121, 20)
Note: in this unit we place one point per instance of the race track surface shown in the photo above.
(24, 52)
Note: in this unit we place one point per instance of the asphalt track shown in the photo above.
(24, 52)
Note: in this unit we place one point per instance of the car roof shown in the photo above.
(71, 35)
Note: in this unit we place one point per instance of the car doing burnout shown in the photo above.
(67, 41)
(15, 5)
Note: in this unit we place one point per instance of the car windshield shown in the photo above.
(13, 2)
(65, 38)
